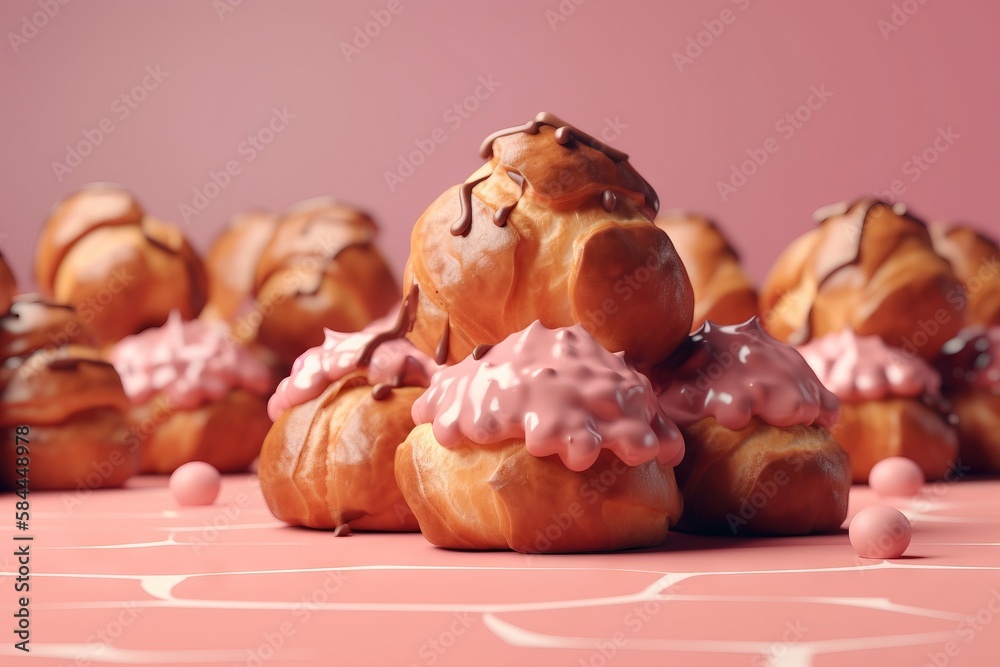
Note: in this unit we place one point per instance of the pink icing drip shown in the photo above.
(192, 363)
(972, 359)
(863, 368)
(319, 367)
(560, 391)
(737, 372)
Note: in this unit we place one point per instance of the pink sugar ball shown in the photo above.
(896, 476)
(880, 532)
(196, 483)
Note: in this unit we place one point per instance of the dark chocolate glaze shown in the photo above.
(860, 211)
(564, 135)
(403, 325)
(500, 217)
(441, 352)
(609, 201)
(462, 226)
(481, 350)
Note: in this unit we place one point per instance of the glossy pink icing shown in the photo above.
(557, 389)
(738, 372)
(863, 368)
(192, 363)
(395, 361)
(972, 359)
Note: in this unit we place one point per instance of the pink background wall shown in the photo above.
(894, 92)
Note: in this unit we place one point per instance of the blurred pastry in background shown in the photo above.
(723, 292)
(54, 382)
(231, 262)
(975, 258)
(321, 269)
(868, 267)
(123, 270)
(891, 403)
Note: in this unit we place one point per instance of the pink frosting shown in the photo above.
(972, 359)
(192, 363)
(863, 368)
(557, 389)
(395, 361)
(738, 372)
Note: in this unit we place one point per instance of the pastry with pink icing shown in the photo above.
(756, 421)
(891, 403)
(197, 395)
(970, 370)
(328, 459)
(544, 442)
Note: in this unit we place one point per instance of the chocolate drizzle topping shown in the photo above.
(564, 135)
(441, 352)
(462, 226)
(500, 217)
(609, 201)
(480, 350)
(843, 255)
(403, 325)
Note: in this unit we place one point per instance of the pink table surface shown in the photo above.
(129, 577)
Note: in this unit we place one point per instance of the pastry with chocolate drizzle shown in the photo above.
(556, 227)
(975, 257)
(869, 267)
(231, 263)
(53, 377)
(123, 270)
(723, 292)
(320, 269)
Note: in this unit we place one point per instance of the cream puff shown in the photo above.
(891, 403)
(328, 459)
(868, 267)
(231, 263)
(123, 270)
(54, 381)
(975, 258)
(723, 292)
(197, 395)
(756, 421)
(321, 269)
(544, 442)
(970, 370)
(555, 227)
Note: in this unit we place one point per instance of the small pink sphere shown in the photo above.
(880, 532)
(196, 483)
(896, 476)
